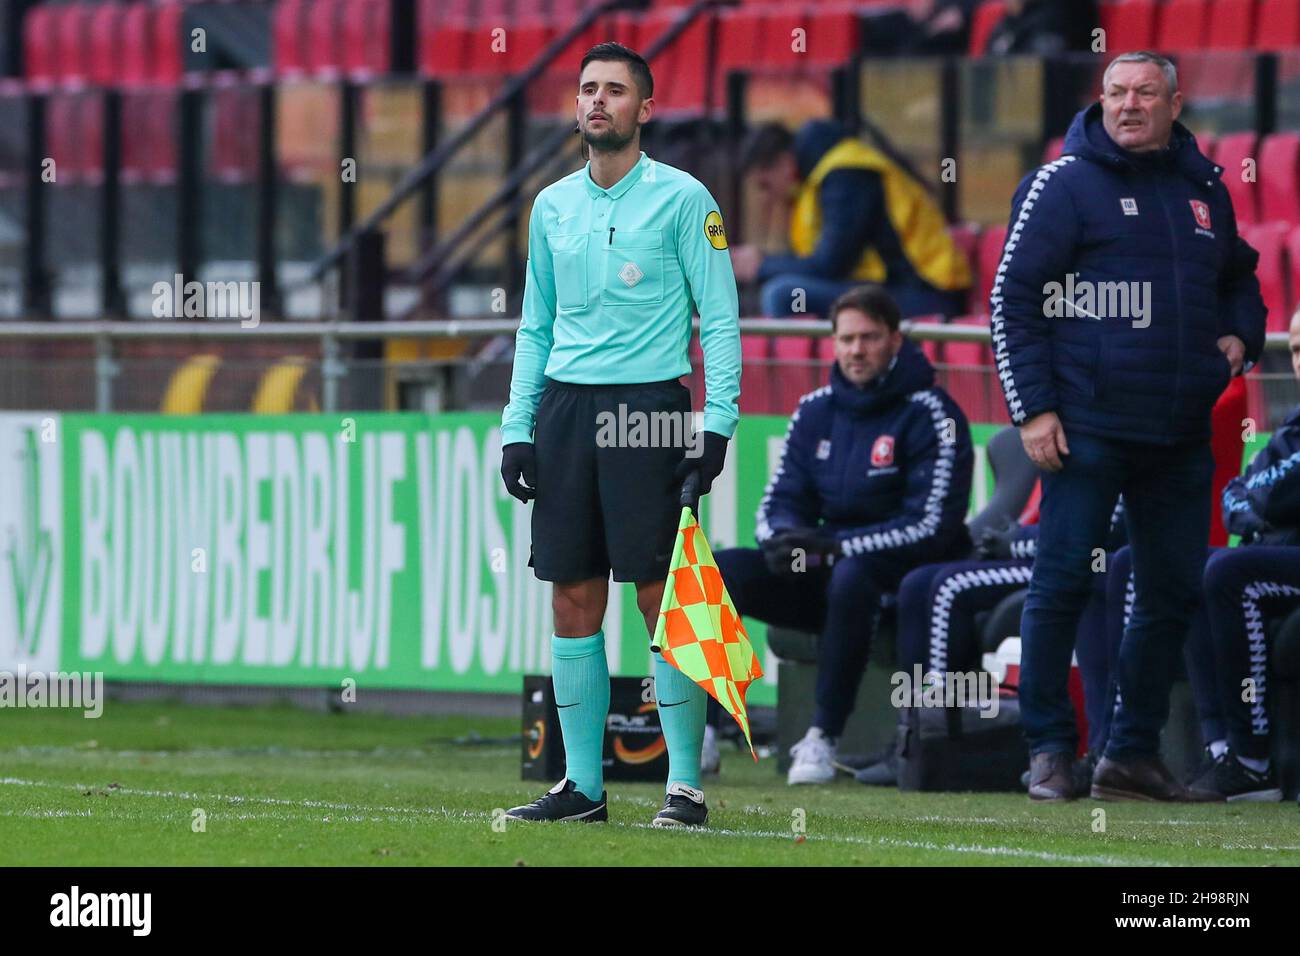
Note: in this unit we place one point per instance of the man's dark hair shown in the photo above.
(645, 82)
(871, 300)
(764, 146)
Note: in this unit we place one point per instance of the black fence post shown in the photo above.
(348, 94)
(189, 173)
(950, 135)
(267, 199)
(1265, 93)
(516, 135)
(112, 301)
(366, 281)
(36, 278)
(431, 126)
(736, 128)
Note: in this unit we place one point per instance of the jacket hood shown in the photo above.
(912, 372)
(813, 141)
(1088, 139)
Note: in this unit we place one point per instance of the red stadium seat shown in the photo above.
(834, 35)
(523, 43)
(930, 348)
(1232, 24)
(991, 242)
(324, 38)
(1182, 25)
(234, 157)
(778, 47)
(969, 378)
(72, 43)
(1269, 239)
(1277, 26)
(683, 69)
(965, 236)
(39, 48)
(740, 38)
(169, 44)
(445, 49)
(1129, 25)
(987, 16)
(1279, 178)
(137, 46)
(61, 136)
(1234, 149)
(756, 396)
(105, 43)
(797, 371)
(287, 38)
(1052, 151)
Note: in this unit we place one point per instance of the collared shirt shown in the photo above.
(613, 278)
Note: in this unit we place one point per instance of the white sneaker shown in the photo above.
(710, 755)
(812, 759)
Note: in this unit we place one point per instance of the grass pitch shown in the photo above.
(279, 785)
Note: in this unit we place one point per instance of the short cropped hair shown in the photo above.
(1146, 56)
(641, 75)
(871, 300)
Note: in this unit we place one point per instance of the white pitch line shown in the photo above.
(235, 798)
(927, 845)
(469, 815)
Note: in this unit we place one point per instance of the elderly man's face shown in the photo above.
(1137, 109)
(864, 346)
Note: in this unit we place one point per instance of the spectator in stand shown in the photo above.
(934, 28)
(1044, 28)
(860, 214)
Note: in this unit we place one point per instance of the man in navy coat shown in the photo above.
(1123, 304)
(874, 480)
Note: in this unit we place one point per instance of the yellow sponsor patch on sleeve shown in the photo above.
(714, 230)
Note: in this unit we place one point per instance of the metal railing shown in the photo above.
(100, 350)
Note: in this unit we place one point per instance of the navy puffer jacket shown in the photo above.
(1163, 225)
(886, 468)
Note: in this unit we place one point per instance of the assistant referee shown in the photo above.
(619, 251)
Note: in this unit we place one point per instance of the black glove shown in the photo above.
(518, 460)
(819, 547)
(994, 544)
(713, 455)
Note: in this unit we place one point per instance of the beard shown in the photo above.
(608, 140)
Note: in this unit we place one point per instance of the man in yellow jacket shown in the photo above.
(858, 216)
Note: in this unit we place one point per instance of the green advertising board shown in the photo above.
(304, 550)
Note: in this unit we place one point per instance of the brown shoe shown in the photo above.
(1051, 776)
(1138, 778)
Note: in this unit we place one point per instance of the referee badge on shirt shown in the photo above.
(630, 274)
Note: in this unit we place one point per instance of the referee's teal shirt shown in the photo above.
(612, 275)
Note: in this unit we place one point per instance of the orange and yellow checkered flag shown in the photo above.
(699, 631)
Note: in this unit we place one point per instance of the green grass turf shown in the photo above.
(286, 786)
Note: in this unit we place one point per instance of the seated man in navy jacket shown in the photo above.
(874, 480)
(1244, 587)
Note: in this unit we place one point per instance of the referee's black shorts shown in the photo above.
(607, 506)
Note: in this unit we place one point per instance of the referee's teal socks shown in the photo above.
(581, 677)
(682, 708)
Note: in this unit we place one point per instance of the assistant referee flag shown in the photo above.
(699, 631)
